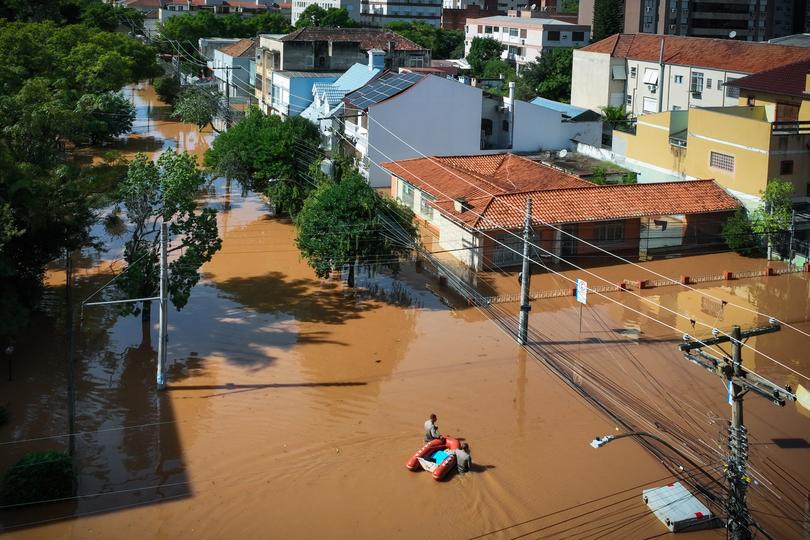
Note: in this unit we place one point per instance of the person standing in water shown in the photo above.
(431, 429)
(463, 459)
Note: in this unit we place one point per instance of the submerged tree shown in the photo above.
(343, 221)
(199, 106)
(165, 192)
(104, 116)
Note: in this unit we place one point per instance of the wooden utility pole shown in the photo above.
(739, 382)
(71, 368)
(525, 278)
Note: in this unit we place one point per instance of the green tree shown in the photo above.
(166, 192)
(167, 88)
(739, 235)
(199, 106)
(270, 155)
(442, 43)
(774, 217)
(108, 17)
(550, 77)
(482, 50)
(39, 476)
(498, 69)
(569, 6)
(188, 29)
(341, 221)
(615, 116)
(105, 116)
(607, 19)
(312, 15)
(338, 18)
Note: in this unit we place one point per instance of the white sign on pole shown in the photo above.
(730, 393)
(582, 291)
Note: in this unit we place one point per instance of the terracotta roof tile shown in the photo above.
(787, 80)
(243, 47)
(727, 54)
(605, 203)
(369, 38)
(473, 177)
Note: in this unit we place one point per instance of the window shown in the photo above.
(487, 29)
(523, 33)
(424, 206)
(732, 91)
(480, 29)
(578, 36)
(633, 72)
(708, 84)
(513, 32)
(407, 194)
(505, 125)
(678, 79)
(553, 35)
(787, 112)
(649, 105)
(696, 85)
(786, 167)
(721, 161)
(650, 76)
(629, 99)
(486, 126)
(495, 29)
(609, 232)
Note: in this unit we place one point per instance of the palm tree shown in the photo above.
(616, 116)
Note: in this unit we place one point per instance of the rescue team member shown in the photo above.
(431, 429)
(463, 459)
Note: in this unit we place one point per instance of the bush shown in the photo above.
(739, 235)
(167, 89)
(39, 476)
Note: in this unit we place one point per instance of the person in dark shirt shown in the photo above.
(431, 429)
(463, 459)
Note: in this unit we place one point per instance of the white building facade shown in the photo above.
(351, 6)
(525, 38)
(382, 12)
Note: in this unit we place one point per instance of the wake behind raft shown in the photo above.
(437, 457)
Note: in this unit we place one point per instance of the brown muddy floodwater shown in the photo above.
(294, 403)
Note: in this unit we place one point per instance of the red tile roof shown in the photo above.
(725, 54)
(243, 47)
(786, 80)
(369, 38)
(470, 177)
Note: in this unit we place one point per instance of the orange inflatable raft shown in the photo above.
(437, 457)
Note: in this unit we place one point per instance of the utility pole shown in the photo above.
(164, 306)
(739, 382)
(228, 100)
(71, 368)
(525, 278)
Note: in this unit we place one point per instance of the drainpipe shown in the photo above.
(511, 113)
(661, 77)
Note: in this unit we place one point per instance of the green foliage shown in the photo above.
(607, 18)
(549, 78)
(266, 153)
(188, 29)
(482, 50)
(108, 17)
(739, 234)
(167, 88)
(498, 69)
(569, 6)
(774, 216)
(199, 106)
(39, 476)
(598, 176)
(61, 11)
(442, 43)
(315, 15)
(630, 178)
(615, 116)
(351, 212)
(165, 191)
(104, 116)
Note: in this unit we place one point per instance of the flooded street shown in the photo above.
(293, 403)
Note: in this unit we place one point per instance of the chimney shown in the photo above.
(376, 59)
(460, 205)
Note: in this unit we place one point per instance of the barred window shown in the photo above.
(721, 161)
(609, 231)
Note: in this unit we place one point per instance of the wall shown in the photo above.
(465, 244)
(650, 145)
(591, 80)
(422, 116)
(539, 128)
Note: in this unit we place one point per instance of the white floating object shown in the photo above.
(678, 509)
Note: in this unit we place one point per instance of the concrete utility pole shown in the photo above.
(163, 336)
(739, 382)
(71, 368)
(228, 100)
(525, 278)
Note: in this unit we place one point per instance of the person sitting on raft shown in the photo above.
(463, 459)
(431, 429)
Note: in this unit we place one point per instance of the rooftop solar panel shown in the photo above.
(382, 89)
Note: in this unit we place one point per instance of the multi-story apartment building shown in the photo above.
(351, 6)
(648, 73)
(765, 136)
(747, 20)
(525, 37)
(312, 55)
(382, 12)
(171, 8)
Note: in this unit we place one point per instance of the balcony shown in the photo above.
(801, 127)
(678, 140)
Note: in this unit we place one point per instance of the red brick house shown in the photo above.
(474, 204)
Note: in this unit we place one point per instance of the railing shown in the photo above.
(790, 128)
(679, 143)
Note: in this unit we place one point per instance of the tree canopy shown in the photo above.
(482, 50)
(342, 221)
(550, 77)
(270, 155)
(315, 15)
(442, 43)
(607, 18)
(199, 106)
(188, 29)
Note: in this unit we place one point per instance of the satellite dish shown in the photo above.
(732, 34)
(562, 153)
